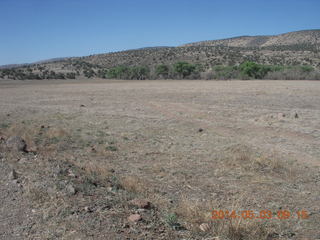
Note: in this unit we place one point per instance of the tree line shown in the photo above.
(178, 70)
(185, 70)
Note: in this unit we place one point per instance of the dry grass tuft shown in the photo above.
(37, 195)
(94, 168)
(56, 133)
(247, 159)
(134, 184)
(248, 229)
(194, 212)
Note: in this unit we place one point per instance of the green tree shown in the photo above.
(139, 72)
(254, 70)
(119, 72)
(89, 73)
(184, 69)
(306, 68)
(162, 70)
(71, 75)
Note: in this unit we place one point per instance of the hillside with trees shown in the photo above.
(294, 55)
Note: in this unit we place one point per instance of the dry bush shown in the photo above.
(207, 75)
(28, 134)
(293, 74)
(134, 184)
(245, 158)
(93, 168)
(246, 230)
(56, 133)
(37, 194)
(195, 212)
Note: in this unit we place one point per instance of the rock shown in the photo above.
(16, 182)
(140, 203)
(82, 105)
(141, 210)
(88, 209)
(200, 130)
(13, 175)
(125, 225)
(16, 143)
(281, 115)
(204, 227)
(71, 190)
(31, 149)
(135, 218)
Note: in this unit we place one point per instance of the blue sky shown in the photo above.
(33, 30)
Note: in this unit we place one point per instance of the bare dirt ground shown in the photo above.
(187, 147)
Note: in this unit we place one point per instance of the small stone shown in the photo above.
(16, 143)
(82, 105)
(140, 203)
(15, 181)
(71, 173)
(71, 190)
(141, 210)
(13, 175)
(125, 225)
(204, 227)
(200, 130)
(135, 218)
(88, 209)
(31, 149)
(281, 115)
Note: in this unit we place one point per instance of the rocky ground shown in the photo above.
(152, 159)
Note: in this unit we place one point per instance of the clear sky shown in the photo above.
(32, 30)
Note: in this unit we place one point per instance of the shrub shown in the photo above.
(226, 72)
(162, 71)
(123, 72)
(71, 75)
(254, 70)
(102, 73)
(119, 72)
(139, 72)
(184, 69)
(293, 73)
(89, 73)
(306, 68)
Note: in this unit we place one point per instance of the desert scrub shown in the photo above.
(171, 220)
(112, 148)
(4, 125)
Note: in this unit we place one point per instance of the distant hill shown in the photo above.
(300, 47)
(289, 49)
(13, 65)
(306, 37)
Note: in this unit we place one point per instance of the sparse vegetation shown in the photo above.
(162, 71)
(124, 72)
(81, 172)
(237, 58)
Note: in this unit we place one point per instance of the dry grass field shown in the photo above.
(169, 152)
